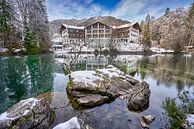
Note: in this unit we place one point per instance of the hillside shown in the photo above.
(55, 25)
(170, 30)
(109, 20)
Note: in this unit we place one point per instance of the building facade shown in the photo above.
(99, 35)
(72, 35)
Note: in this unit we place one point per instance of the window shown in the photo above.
(101, 31)
(95, 31)
(95, 26)
(95, 35)
(101, 35)
(101, 26)
(107, 35)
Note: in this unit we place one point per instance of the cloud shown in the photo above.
(69, 9)
(132, 10)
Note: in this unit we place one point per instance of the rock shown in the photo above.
(91, 88)
(70, 124)
(142, 123)
(73, 123)
(27, 114)
(139, 97)
(92, 100)
(146, 120)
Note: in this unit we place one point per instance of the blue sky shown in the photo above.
(131, 10)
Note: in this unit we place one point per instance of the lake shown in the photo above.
(43, 75)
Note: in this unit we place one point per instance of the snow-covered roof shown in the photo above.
(114, 27)
(74, 27)
(59, 39)
(126, 25)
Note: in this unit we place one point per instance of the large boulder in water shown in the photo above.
(139, 98)
(27, 114)
(91, 88)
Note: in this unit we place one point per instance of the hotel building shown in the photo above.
(98, 34)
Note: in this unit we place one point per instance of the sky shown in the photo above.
(131, 10)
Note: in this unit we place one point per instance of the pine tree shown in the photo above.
(34, 16)
(146, 37)
(30, 46)
(167, 11)
(39, 24)
(148, 18)
(146, 40)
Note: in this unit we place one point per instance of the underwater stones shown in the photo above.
(139, 97)
(146, 120)
(27, 114)
(91, 88)
(92, 100)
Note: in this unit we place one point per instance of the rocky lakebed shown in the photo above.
(86, 89)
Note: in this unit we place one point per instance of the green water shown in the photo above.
(27, 76)
(23, 77)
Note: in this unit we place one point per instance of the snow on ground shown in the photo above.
(111, 71)
(3, 50)
(86, 49)
(160, 50)
(133, 47)
(89, 77)
(130, 47)
(61, 52)
(122, 47)
(70, 124)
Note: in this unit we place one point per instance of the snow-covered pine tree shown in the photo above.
(38, 23)
(34, 17)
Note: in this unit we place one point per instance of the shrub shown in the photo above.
(29, 44)
(176, 117)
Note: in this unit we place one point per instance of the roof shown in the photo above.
(59, 39)
(73, 27)
(97, 22)
(125, 25)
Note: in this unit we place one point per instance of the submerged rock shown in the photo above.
(27, 114)
(146, 120)
(91, 88)
(92, 100)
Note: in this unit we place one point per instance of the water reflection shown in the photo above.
(23, 77)
(167, 75)
(169, 70)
